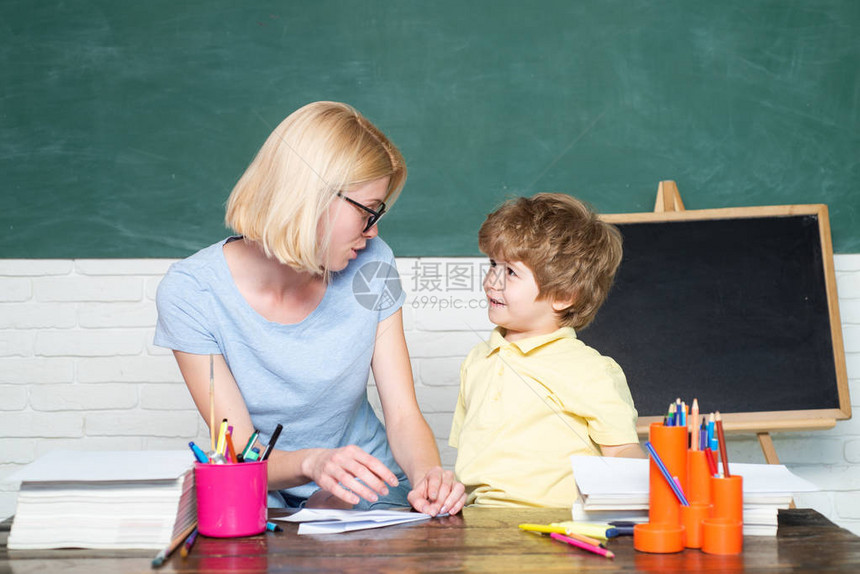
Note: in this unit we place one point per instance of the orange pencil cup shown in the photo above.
(728, 497)
(722, 536)
(231, 498)
(664, 531)
(693, 516)
(723, 532)
(671, 444)
(698, 477)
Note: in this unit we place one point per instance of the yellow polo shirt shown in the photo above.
(525, 407)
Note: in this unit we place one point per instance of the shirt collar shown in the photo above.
(497, 340)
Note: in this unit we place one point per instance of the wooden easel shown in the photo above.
(668, 199)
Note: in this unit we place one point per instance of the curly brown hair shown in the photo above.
(573, 253)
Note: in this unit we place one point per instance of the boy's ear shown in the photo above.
(562, 304)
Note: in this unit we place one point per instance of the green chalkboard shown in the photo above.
(123, 126)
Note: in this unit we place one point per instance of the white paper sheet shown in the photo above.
(598, 475)
(326, 521)
(106, 466)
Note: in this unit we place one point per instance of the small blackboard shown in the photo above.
(735, 307)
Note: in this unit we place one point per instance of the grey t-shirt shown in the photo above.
(310, 376)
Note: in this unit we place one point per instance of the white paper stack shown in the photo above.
(323, 521)
(617, 489)
(123, 499)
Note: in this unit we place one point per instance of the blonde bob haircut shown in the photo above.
(572, 253)
(318, 151)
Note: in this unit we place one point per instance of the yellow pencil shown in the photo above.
(222, 437)
(589, 529)
(550, 528)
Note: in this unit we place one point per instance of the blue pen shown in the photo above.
(272, 527)
(713, 444)
(666, 474)
(198, 453)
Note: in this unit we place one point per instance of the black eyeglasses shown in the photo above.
(374, 216)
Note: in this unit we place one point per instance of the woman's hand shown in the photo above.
(339, 470)
(438, 492)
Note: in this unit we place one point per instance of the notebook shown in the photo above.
(105, 499)
(613, 488)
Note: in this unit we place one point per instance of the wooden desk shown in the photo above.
(481, 540)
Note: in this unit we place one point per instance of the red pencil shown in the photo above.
(721, 438)
(712, 463)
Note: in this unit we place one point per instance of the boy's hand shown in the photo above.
(629, 450)
(438, 492)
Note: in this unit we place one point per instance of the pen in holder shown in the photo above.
(664, 532)
(231, 498)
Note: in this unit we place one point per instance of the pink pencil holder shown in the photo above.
(231, 498)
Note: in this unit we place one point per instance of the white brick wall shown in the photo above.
(78, 369)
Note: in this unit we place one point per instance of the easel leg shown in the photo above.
(767, 448)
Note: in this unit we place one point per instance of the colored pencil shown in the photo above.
(670, 480)
(186, 548)
(694, 425)
(230, 449)
(600, 531)
(579, 544)
(721, 437)
(712, 463)
(164, 554)
(221, 447)
(712, 440)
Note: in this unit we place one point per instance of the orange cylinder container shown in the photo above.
(693, 516)
(722, 536)
(698, 486)
(671, 444)
(728, 497)
(664, 533)
(723, 533)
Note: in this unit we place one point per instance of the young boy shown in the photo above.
(534, 394)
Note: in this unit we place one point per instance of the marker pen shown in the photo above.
(198, 453)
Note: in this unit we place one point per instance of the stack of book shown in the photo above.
(613, 489)
(124, 499)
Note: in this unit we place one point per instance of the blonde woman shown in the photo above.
(298, 308)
